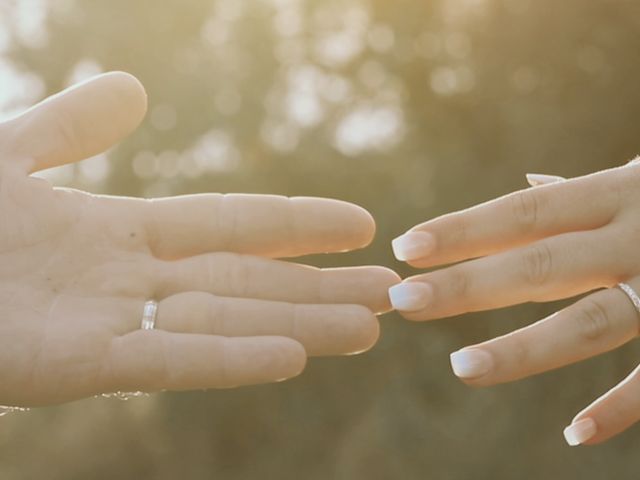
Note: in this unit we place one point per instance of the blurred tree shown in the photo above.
(409, 108)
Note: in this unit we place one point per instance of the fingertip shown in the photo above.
(363, 226)
(411, 298)
(365, 331)
(413, 246)
(346, 329)
(471, 364)
(130, 92)
(370, 337)
(538, 179)
(390, 276)
(332, 226)
(263, 359)
(79, 122)
(387, 280)
(580, 431)
(292, 358)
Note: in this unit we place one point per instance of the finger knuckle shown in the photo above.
(537, 264)
(297, 315)
(458, 284)
(619, 186)
(593, 321)
(622, 410)
(215, 313)
(228, 219)
(238, 275)
(459, 229)
(211, 266)
(525, 207)
(66, 130)
(163, 274)
(153, 226)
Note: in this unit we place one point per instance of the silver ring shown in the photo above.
(631, 293)
(149, 315)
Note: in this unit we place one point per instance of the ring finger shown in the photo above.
(558, 267)
(321, 329)
(595, 324)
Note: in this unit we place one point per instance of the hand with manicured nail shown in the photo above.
(557, 240)
(76, 270)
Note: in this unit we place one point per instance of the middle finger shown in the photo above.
(245, 276)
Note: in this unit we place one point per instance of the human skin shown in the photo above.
(557, 240)
(76, 269)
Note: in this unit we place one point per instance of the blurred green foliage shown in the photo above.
(409, 108)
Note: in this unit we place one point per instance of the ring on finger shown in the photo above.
(149, 314)
(632, 294)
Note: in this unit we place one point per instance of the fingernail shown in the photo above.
(536, 179)
(635, 161)
(413, 245)
(410, 296)
(471, 363)
(580, 431)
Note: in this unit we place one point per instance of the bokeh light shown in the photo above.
(410, 108)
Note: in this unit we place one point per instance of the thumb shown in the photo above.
(77, 123)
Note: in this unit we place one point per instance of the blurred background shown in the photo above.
(410, 108)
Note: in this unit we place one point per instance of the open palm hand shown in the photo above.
(76, 269)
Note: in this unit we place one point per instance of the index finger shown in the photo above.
(264, 225)
(583, 203)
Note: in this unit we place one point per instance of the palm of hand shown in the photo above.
(67, 289)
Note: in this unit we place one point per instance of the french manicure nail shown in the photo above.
(471, 363)
(413, 245)
(410, 296)
(536, 179)
(580, 431)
